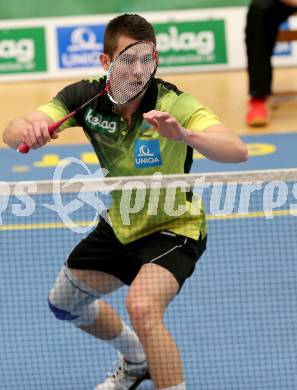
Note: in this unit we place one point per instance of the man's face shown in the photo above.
(132, 69)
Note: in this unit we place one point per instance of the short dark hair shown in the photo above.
(129, 25)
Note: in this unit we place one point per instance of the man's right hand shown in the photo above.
(31, 129)
(36, 134)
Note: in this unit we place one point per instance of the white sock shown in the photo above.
(129, 345)
(182, 386)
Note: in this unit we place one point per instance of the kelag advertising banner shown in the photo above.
(22, 50)
(191, 43)
(187, 41)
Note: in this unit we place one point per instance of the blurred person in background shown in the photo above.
(155, 253)
(264, 18)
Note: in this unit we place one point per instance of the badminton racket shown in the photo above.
(128, 76)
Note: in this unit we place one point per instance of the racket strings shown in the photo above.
(128, 76)
(131, 71)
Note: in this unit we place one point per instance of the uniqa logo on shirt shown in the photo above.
(147, 153)
(96, 121)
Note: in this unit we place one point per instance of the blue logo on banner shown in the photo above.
(283, 48)
(147, 153)
(80, 46)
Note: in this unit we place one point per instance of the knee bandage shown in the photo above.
(73, 301)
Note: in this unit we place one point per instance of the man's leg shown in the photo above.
(75, 298)
(108, 325)
(148, 297)
(263, 20)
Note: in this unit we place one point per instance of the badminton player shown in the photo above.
(155, 132)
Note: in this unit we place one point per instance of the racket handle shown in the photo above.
(24, 148)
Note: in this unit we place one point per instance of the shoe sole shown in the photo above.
(140, 380)
(258, 122)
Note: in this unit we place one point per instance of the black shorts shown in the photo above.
(102, 251)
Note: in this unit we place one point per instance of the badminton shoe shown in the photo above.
(257, 113)
(128, 376)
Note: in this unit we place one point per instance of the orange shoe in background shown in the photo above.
(258, 112)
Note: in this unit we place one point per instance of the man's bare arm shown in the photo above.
(31, 128)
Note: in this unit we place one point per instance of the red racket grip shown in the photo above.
(24, 148)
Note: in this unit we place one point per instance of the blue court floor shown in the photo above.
(235, 321)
